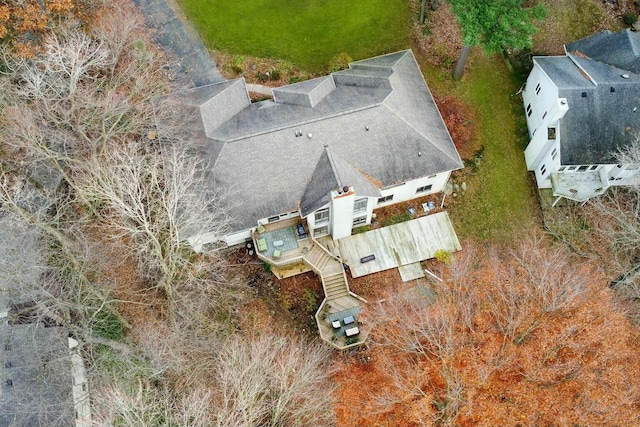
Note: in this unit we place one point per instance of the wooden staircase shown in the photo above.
(334, 280)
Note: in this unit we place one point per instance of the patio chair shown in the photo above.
(262, 245)
(276, 253)
(261, 229)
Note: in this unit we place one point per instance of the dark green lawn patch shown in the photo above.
(308, 33)
(499, 201)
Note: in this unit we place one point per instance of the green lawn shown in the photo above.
(306, 32)
(499, 202)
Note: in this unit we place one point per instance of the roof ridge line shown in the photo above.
(334, 169)
(302, 123)
(459, 159)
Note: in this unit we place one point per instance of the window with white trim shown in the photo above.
(554, 153)
(322, 215)
(529, 110)
(321, 231)
(360, 205)
(424, 188)
(543, 170)
(538, 89)
(359, 221)
(551, 133)
(385, 198)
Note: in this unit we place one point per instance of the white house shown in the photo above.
(328, 150)
(581, 109)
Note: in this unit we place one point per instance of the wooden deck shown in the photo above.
(338, 309)
(400, 244)
(298, 255)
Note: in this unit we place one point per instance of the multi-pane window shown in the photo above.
(360, 205)
(321, 231)
(543, 170)
(529, 110)
(424, 188)
(322, 215)
(538, 89)
(359, 221)
(554, 153)
(385, 198)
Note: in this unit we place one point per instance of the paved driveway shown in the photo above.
(176, 35)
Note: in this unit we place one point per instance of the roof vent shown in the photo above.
(345, 189)
(612, 89)
(584, 94)
(366, 128)
(624, 76)
(309, 135)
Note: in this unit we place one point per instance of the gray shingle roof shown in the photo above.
(333, 172)
(35, 366)
(375, 118)
(620, 49)
(604, 106)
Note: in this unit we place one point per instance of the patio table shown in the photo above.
(277, 243)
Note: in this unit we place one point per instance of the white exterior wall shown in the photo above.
(407, 191)
(547, 164)
(342, 210)
(313, 225)
(625, 175)
(237, 238)
(543, 110)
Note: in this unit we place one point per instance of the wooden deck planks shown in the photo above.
(399, 244)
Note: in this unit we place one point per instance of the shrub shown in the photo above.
(275, 75)
(443, 256)
(630, 18)
(396, 219)
(351, 340)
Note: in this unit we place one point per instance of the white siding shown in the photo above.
(342, 218)
(543, 109)
(407, 191)
(313, 224)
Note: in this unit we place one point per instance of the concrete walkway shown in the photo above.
(192, 62)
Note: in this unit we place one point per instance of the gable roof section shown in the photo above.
(306, 94)
(375, 118)
(333, 172)
(620, 49)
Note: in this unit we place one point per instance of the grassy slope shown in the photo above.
(500, 201)
(306, 32)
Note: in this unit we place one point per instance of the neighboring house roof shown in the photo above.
(357, 127)
(603, 98)
(35, 365)
(620, 49)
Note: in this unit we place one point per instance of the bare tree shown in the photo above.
(153, 200)
(273, 381)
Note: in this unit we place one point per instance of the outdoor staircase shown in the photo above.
(334, 280)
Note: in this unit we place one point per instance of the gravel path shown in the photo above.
(177, 37)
